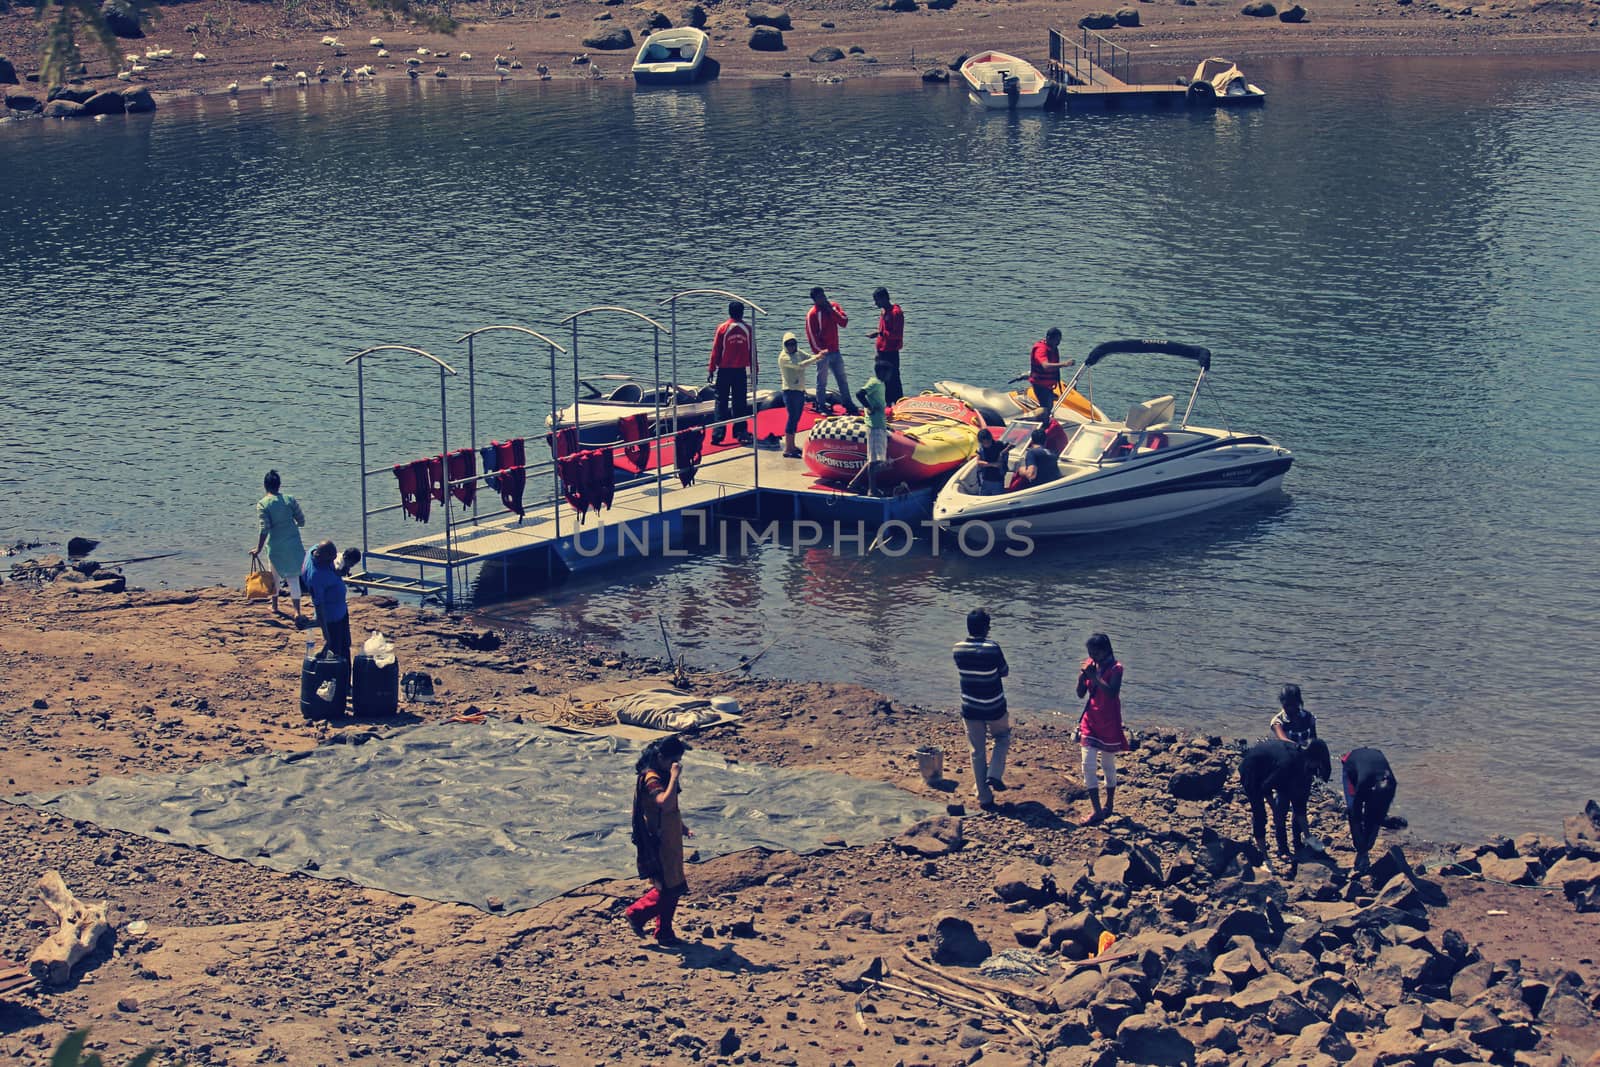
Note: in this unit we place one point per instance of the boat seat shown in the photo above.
(1150, 413)
(627, 393)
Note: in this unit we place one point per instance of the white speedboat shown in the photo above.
(1114, 475)
(606, 399)
(1219, 83)
(1000, 81)
(670, 57)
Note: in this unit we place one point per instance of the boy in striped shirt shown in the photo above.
(981, 665)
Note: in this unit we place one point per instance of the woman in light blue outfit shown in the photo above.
(281, 519)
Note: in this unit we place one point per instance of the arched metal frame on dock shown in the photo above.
(420, 586)
(553, 347)
(671, 303)
(577, 424)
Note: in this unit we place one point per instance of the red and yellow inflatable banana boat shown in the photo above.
(929, 435)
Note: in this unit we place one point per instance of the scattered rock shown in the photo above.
(1149, 1039)
(609, 38)
(653, 21)
(955, 942)
(937, 836)
(1098, 20)
(766, 39)
(857, 974)
(936, 75)
(1024, 880)
(63, 109)
(20, 101)
(1260, 9)
(827, 54)
(119, 21)
(78, 547)
(1516, 871)
(1115, 1002)
(940, 5)
(138, 100)
(1206, 783)
(1127, 16)
(1581, 831)
(1295, 13)
(693, 15)
(761, 14)
(109, 102)
(8, 73)
(902, 6)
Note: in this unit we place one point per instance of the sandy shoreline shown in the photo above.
(241, 43)
(247, 965)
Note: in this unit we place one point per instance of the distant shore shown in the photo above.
(241, 43)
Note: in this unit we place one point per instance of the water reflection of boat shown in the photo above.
(1000, 81)
(1220, 83)
(1144, 469)
(929, 435)
(606, 399)
(671, 57)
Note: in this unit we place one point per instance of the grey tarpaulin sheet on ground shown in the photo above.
(460, 812)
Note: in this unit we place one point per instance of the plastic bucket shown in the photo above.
(930, 763)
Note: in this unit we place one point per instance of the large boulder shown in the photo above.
(1582, 832)
(23, 101)
(936, 75)
(138, 100)
(1260, 9)
(1516, 871)
(693, 15)
(63, 109)
(1115, 1001)
(941, 5)
(653, 21)
(609, 38)
(955, 942)
(1186, 969)
(109, 102)
(1579, 879)
(1024, 881)
(8, 73)
(120, 20)
(1150, 1039)
(1098, 20)
(1127, 16)
(77, 95)
(827, 54)
(767, 39)
(761, 14)
(902, 6)
(937, 836)
(1202, 784)
(1295, 13)
(1077, 935)
(1133, 866)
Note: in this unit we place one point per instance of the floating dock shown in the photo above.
(1093, 72)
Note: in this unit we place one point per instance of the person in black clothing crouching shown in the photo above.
(1369, 789)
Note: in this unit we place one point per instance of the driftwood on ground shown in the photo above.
(82, 927)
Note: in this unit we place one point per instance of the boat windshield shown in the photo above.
(1088, 444)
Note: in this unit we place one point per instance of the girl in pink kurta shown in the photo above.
(1100, 731)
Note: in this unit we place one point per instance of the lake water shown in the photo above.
(1394, 263)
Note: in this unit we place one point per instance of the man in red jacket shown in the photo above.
(733, 353)
(890, 335)
(1044, 372)
(822, 334)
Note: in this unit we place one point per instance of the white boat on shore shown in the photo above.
(674, 56)
(1000, 82)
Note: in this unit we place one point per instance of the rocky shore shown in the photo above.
(218, 46)
(964, 940)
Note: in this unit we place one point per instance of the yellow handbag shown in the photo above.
(259, 584)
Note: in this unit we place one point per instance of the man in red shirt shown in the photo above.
(822, 334)
(1044, 372)
(890, 335)
(733, 353)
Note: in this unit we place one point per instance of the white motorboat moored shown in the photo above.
(1114, 475)
(670, 57)
(1220, 83)
(1000, 81)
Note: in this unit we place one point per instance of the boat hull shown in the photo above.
(987, 73)
(1002, 102)
(1074, 507)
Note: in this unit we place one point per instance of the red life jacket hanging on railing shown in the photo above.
(573, 469)
(513, 473)
(563, 442)
(635, 430)
(421, 471)
(436, 477)
(686, 448)
(601, 481)
(407, 477)
(464, 464)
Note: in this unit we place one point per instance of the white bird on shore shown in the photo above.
(321, 70)
(365, 71)
(376, 42)
(199, 57)
(504, 72)
(330, 39)
(466, 57)
(413, 61)
(266, 83)
(163, 53)
(137, 69)
(383, 53)
(423, 52)
(123, 75)
(440, 72)
(542, 70)
(579, 60)
(278, 64)
(131, 58)
(301, 78)
(152, 54)
(233, 88)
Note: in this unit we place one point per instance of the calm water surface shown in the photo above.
(1394, 263)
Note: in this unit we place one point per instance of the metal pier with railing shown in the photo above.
(657, 511)
(1094, 73)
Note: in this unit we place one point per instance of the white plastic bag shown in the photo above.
(326, 690)
(380, 648)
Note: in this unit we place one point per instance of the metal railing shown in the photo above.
(1091, 60)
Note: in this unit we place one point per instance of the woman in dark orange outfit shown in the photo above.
(658, 834)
